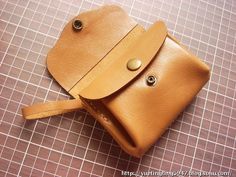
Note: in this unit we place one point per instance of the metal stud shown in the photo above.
(77, 25)
(151, 80)
(134, 64)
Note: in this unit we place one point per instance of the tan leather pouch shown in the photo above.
(134, 82)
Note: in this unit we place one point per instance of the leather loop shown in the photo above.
(44, 110)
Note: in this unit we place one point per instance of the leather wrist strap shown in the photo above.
(43, 110)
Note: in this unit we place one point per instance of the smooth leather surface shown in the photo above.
(118, 75)
(76, 53)
(108, 60)
(134, 113)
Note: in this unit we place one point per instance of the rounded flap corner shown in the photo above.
(118, 74)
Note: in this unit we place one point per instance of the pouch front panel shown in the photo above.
(146, 111)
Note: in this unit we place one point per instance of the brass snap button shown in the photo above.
(134, 64)
(151, 80)
(77, 25)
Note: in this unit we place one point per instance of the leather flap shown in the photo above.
(118, 75)
(77, 52)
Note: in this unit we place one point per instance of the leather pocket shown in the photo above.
(147, 110)
(138, 113)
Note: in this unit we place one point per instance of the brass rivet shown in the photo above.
(77, 25)
(134, 64)
(151, 80)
